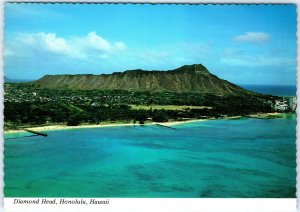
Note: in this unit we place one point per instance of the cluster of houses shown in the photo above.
(288, 103)
(18, 94)
(22, 94)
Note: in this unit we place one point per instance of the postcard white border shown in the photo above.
(158, 204)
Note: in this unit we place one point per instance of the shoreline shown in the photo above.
(170, 123)
(86, 126)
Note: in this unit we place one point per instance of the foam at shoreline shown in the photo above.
(171, 123)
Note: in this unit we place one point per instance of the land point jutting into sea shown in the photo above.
(167, 133)
(137, 96)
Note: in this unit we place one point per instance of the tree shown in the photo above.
(74, 120)
(159, 119)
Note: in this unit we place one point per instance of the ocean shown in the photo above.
(277, 90)
(238, 158)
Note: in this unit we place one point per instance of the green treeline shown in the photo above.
(29, 105)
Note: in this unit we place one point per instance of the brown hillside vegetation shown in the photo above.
(189, 78)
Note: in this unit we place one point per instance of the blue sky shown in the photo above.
(240, 43)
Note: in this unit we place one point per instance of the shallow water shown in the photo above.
(216, 158)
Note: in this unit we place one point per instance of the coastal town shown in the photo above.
(287, 103)
(27, 93)
(19, 93)
(27, 105)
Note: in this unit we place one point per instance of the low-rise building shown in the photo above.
(288, 103)
(281, 105)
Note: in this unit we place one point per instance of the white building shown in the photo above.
(281, 105)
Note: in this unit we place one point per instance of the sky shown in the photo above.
(244, 44)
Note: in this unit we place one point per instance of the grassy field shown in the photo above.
(167, 107)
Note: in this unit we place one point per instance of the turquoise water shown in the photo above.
(216, 158)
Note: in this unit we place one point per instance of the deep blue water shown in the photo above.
(277, 90)
(216, 158)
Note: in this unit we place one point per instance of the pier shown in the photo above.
(36, 132)
(166, 126)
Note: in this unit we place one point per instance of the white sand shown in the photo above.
(171, 123)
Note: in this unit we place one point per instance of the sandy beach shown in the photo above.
(170, 123)
(266, 115)
(65, 127)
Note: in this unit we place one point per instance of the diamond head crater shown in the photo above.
(189, 92)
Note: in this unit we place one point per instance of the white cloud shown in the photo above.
(96, 42)
(91, 45)
(55, 44)
(255, 61)
(8, 52)
(238, 57)
(253, 37)
(45, 41)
